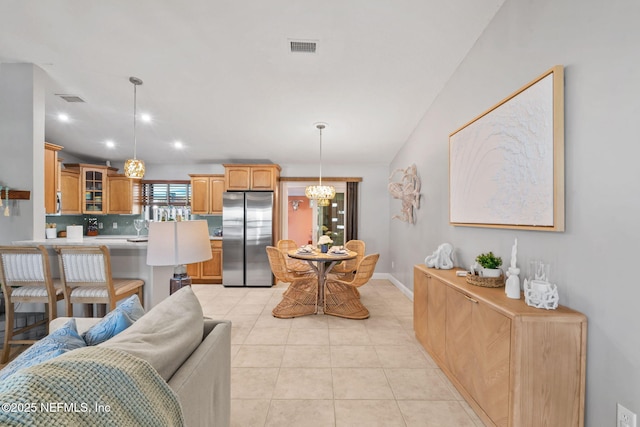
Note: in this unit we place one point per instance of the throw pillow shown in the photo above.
(116, 321)
(166, 335)
(61, 341)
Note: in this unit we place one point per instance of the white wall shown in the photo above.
(593, 260)
(22, 148)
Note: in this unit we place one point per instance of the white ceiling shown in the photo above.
(219, 76)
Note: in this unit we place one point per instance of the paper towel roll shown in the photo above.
(74, 233)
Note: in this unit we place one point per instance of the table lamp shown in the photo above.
(178, 243)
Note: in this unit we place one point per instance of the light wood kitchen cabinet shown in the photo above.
(251, 177)
(94, 186)
(51, 177)
(124, 195)
(70, 192)
(209, 271)
(206, 194)
(517, 366)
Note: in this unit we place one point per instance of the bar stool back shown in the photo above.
(26, 278)
(87, 278)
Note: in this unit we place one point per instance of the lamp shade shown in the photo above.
(178, 242)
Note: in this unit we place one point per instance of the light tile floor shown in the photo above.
(328, 371)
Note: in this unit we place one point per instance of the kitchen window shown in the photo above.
(166, 193)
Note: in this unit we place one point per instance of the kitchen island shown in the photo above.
(128, 259)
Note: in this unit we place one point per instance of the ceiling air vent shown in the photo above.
(303, 46)
(70, 98)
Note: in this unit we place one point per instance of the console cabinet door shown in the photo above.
(436, 316)
(420, 299)
(478, 345)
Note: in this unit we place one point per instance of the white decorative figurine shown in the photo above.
(512, 288)
(538, 292)
(442, 258)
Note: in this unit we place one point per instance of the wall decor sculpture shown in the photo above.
(506, 166)
(407, 190)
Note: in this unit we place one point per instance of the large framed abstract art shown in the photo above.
(506, 166)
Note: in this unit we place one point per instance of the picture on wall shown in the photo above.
(506, 166)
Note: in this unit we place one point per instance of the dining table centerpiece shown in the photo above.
(324, 242)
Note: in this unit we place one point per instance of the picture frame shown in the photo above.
(506, 166)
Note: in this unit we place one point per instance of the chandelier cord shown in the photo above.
(320, 155)
(135, 115)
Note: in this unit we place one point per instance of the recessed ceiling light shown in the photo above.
(145, 117)
(63, 117)
(178, 144)
(109, 143)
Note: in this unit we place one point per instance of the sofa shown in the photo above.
(185, 351)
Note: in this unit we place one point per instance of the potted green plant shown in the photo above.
(490, 264)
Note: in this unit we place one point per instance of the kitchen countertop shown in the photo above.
(114, 241)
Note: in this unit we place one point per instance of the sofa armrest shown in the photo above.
(203, 382)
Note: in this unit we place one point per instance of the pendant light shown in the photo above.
(322, 193)
(134, 168)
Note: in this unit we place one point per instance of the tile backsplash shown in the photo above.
(123, 223)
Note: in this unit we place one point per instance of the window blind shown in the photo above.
(166, 193)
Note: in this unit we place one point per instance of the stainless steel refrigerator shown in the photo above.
(247, 230)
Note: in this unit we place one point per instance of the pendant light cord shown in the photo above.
(135, 115)
(320, 127)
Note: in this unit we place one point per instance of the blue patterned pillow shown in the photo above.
(116, 321)
(58, 342)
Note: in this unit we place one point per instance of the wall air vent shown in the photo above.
(70, 98)
(303, 46)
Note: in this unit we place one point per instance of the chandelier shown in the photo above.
(322, 193)
(134, 168)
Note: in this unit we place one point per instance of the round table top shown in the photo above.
(319, 256)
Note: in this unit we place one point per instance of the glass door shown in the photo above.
(94, 180)
(304, 221)
(331, 219)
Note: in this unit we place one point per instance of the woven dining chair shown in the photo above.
(301, 297)
(87, 278)
(295, 265)
(346, 269)
(25, 275)
(341, 297)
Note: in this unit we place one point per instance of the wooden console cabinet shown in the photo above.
(517, 366)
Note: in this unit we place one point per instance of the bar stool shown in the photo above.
(26, 278)
(87, 279)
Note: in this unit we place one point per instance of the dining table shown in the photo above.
(322, 263)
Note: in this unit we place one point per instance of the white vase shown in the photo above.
(491, 272)
(512, 287)
(50, 233)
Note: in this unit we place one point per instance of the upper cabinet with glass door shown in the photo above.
(94, 186)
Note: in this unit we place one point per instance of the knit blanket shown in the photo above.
(92, 386)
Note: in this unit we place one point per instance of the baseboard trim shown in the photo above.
(398, 284)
